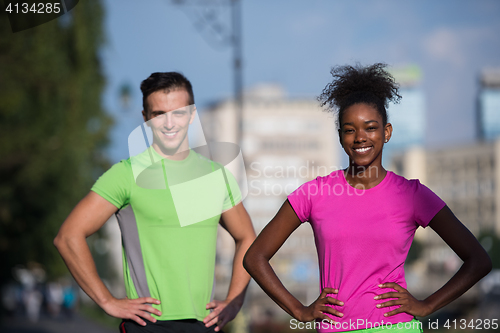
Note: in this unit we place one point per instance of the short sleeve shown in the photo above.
(300, 199)
(426, 204)
(114, 185)
(233, 194)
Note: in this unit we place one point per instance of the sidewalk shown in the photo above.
(77, 324)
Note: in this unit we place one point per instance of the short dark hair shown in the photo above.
(166, 81)
(371, 85)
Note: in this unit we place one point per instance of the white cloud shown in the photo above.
(309, 24)
(453, 45)
(443, 44)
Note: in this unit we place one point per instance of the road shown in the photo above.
(77, 324)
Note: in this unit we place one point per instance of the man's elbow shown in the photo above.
(245, 240)
(249, 239)
(60, 242)
(57, 241)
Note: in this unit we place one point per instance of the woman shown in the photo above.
(364, 219)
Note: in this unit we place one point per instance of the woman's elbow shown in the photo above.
(251, 260)
(247, 261)
(482, 264)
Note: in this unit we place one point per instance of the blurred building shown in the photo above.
(285, 142)
(407, 117)
(488, 106)
(467, 178)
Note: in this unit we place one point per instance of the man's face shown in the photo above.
(169, 117)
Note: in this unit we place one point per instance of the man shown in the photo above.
(169, 250)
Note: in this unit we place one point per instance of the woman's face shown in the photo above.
(362, 135)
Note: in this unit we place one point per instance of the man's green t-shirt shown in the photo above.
(168, 212)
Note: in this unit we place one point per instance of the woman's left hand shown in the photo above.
(409, 304)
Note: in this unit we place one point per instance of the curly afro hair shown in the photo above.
(371, 85)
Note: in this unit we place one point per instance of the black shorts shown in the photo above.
(167, 326)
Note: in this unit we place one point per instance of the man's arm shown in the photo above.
(87, 217)
(237, 222)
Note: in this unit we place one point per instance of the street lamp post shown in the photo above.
(207, 20)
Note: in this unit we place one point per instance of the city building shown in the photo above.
(408, 117)
(467, 178)
(285, 143)
(488, 105)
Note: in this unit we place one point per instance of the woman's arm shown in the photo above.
(256, 262)
(476, 265)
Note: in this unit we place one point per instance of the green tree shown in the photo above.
(53, 130)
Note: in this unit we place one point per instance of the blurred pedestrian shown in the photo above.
(10, 298)
(55, 297)
(31, 279)
(69, 300)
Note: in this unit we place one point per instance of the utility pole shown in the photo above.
(238, 68)
(207, 21)
(205, 16)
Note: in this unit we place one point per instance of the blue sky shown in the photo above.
(295, 43)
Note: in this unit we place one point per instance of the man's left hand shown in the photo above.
(222, 313)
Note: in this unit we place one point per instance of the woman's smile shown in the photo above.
(363, 150)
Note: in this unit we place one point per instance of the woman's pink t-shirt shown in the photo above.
(362, 238)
